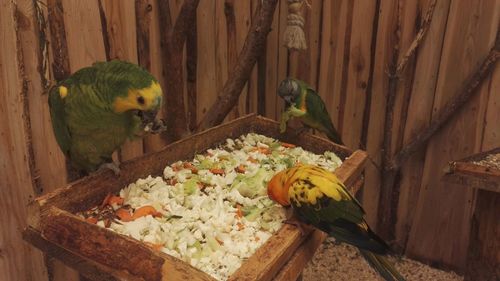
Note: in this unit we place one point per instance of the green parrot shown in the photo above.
(98, 108)
(304, 103)
(320, 199)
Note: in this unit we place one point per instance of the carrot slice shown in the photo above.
(111, 199)
(240, 169)
(240, 226)
(144, 211)
(216, 171)
(124, 215)
(188, 165)
(239, 213)
(264, 150)
(253, 160)
(91, 220)
(156, 247)
(115, 200)
(288, 145)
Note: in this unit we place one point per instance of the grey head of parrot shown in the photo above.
(289, 90)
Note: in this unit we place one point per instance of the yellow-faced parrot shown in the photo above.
(98, 108)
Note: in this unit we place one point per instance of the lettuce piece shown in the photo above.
(212, 243)
(251, 213)
(190, 186)
(251, 186)
(274, 145)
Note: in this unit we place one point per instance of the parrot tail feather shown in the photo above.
(382, 265)
(334, 136)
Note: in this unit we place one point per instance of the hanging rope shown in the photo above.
(294, 37)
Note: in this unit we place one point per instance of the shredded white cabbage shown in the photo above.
(201, 202)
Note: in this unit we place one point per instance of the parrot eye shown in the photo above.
(140, 100)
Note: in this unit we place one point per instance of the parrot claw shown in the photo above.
(302, 227)
(112, 166)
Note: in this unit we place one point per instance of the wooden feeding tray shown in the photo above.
(482, 173)
(100, 254)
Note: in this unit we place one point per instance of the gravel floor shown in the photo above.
(343, 262)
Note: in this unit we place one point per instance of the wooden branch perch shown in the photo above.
(418, 39)
(172, 43)
(389, 194)
(252, 49)
(451, 107)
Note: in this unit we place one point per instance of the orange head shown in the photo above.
(277, 189)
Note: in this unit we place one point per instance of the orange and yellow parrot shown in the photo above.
(318, 198)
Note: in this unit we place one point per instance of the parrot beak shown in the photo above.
(150, 123)
(276, 189)
(288, 90)
(147, 116)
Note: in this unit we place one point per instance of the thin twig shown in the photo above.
(418, 39)
(60, 66)
(452, 107)
(43, 44)
(143, 21)
(251, 51)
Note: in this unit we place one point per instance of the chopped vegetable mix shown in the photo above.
(212, 212)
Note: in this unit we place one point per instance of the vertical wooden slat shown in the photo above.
(243, 15)
(206, 78)
(155, 142)
(18, 261)
(408, 20)
(221, 47)
(444, 210)
(336, 19)
(271, 71)
(49, 161)
(83, 33)
(383, 55)
(358, 72)
(491, 132)
(419, 113)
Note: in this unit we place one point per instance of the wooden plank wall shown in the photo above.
(350, 46)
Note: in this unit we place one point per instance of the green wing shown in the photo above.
(317, 115)
(58, 117)
(86, 128)
(342, 219)
(317, 110)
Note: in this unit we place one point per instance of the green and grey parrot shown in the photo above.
(98, 108)
(304, 103)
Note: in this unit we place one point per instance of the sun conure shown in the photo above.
(318, 198)
(303, 102)
(98, 108)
